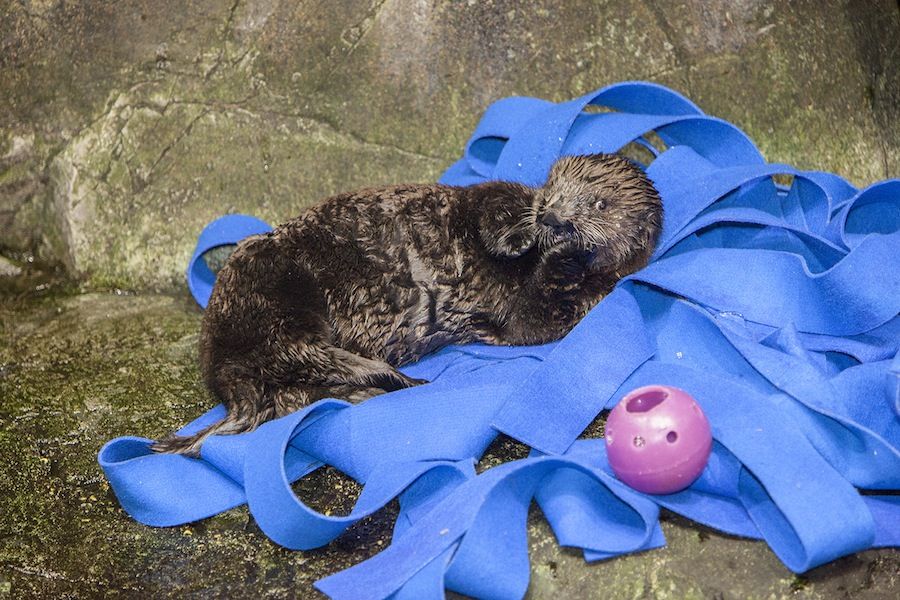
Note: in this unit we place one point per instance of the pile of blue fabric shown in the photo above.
(775, 305)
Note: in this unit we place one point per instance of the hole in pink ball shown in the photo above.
(671, 437)
(646, 401)
(639, 441)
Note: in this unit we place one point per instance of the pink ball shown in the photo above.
(658, 439)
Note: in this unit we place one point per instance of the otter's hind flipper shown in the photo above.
(350, 368)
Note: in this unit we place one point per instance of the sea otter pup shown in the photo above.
(330, 303)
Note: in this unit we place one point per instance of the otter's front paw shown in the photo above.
(507, 238)
(515, 242)
(506, 221)
(564, 266)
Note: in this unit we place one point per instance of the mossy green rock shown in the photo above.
(124, 128)
(135, 189)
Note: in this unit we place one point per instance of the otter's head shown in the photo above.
(603, 203)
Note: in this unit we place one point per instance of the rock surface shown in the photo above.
(126, 126)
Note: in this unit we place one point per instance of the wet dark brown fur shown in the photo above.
(329, 303)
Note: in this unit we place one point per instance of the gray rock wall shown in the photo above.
(126, 126)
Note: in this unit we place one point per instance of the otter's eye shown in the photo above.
(600, 204)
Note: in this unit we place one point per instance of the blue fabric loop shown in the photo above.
(165, 490)
(286, 519)
(698, 194)
(729, 225)
(226, 230)
(875, 211)
(847, 299)
(527, 158)
(460, 173)
(775, 306)
(483, 506)
(499, 123)
(643, 97)
(862, 455)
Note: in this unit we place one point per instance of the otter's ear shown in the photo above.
(506, 222)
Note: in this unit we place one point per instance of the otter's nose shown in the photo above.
(552, 220)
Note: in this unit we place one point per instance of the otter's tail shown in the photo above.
(189, 445)
(247, 416)
(248, 408)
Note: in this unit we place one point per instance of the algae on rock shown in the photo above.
(126, 127)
